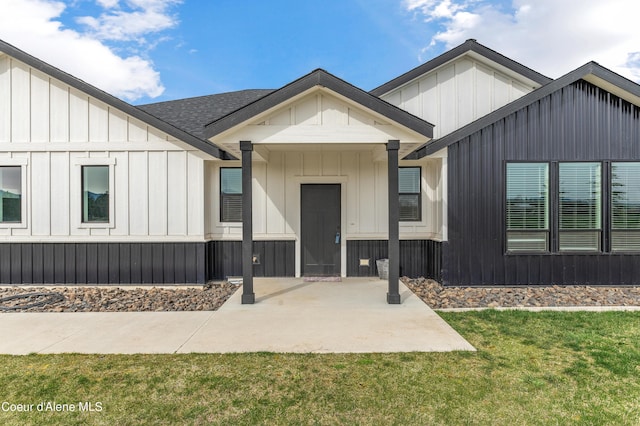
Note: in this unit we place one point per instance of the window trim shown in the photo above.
(77, 192)
(419, 193)
(23, 163)
(220, 196)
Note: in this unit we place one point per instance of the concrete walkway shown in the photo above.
(289, 316)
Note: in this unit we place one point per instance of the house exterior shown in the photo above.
(471, 169)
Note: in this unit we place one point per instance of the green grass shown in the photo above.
(530, 368)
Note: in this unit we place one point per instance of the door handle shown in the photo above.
(337, 237)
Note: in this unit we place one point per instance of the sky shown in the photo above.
(145, 51)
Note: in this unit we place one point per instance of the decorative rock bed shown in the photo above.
(439, 297)
(212, 296)
(117, 299)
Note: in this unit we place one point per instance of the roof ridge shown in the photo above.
(590, 68)
(469, 45)
(205, 96)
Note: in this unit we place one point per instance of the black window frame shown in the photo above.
(86, 219)
(547, 230)
(559, 231)
(612, 212)
(607, 230)
(417, 194)
(224, 196)
(19, 203)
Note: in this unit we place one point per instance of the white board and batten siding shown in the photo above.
(457, 93)
(276, 195)
(53, 129)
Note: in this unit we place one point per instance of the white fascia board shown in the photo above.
(612, 88)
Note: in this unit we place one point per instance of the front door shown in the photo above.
(320, 229)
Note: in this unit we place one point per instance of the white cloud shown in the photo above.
(550, 36)
(131, 19)
(35, 27)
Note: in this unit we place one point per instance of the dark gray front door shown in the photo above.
(320, 229)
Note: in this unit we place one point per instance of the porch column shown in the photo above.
(393, 295)
(248, 297)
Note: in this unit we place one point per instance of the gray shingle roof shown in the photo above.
(322, 78)
(193, 114)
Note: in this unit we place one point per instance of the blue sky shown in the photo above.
(153, 50)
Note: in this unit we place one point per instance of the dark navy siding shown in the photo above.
(418, 258)
(277, 259)
(102, 263)
(578, 122)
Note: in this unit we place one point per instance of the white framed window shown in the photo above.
(13, 199)
(95, 192)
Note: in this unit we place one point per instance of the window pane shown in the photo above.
(95, 194)
(579, 241)
(580, 200)
(527, 196)
(409, 207)
(409, 180)
(527, 241)
(231, 194)
(409, 193)
(625, 195)
(231, 208)
(625, 207)
(625, 241)
(11, 194)
(231, 180)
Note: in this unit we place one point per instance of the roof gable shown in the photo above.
(591, 72)
(475, 50)
(192, 114)
(112, 101)
(301, 87)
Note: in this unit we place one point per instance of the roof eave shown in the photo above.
(591, 71)
(111, 100)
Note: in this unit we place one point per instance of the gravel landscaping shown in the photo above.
(212, 296)
(116, 299)
(439, 297)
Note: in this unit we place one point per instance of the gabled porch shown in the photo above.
(319, 165)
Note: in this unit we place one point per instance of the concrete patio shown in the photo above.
(289, 315)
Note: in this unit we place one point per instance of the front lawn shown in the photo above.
(530, 368)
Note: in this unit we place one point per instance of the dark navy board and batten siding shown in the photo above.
(418, 258)
(276, 259)
(579, 122)
(102, 263)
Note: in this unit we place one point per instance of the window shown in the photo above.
(231, 194)
(527, 207)
(410, 194)
(579, 209)
(10, 194)
(95, 194)
(625, 207)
